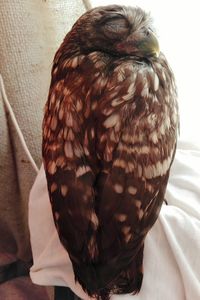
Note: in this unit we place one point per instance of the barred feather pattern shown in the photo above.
(109, 139)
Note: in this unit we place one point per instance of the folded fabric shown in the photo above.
(172, 247)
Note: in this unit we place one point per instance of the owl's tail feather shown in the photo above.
(130, 280)
(115, 278)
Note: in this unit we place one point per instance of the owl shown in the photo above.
(109, 139)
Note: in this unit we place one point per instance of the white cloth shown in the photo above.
(172, 247)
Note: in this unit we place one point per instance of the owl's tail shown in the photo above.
(121, 276)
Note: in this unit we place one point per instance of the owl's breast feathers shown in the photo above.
(109, 138)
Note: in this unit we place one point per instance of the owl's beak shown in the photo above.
(149, 45)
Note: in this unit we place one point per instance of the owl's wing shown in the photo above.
(70, 160)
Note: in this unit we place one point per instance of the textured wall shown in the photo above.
(30, 33)
(9, 195)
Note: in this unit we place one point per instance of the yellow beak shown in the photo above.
(149, 46)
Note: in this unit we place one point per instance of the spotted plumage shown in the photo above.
(109, 138)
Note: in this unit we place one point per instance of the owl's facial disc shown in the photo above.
(119, 31)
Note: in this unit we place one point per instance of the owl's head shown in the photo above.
(117, 30)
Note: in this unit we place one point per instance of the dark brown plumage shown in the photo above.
(109, 138)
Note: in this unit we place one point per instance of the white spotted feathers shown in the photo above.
(109, 139)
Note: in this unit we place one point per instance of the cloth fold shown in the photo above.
(172, 247)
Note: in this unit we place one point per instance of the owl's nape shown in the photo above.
(109, 139)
